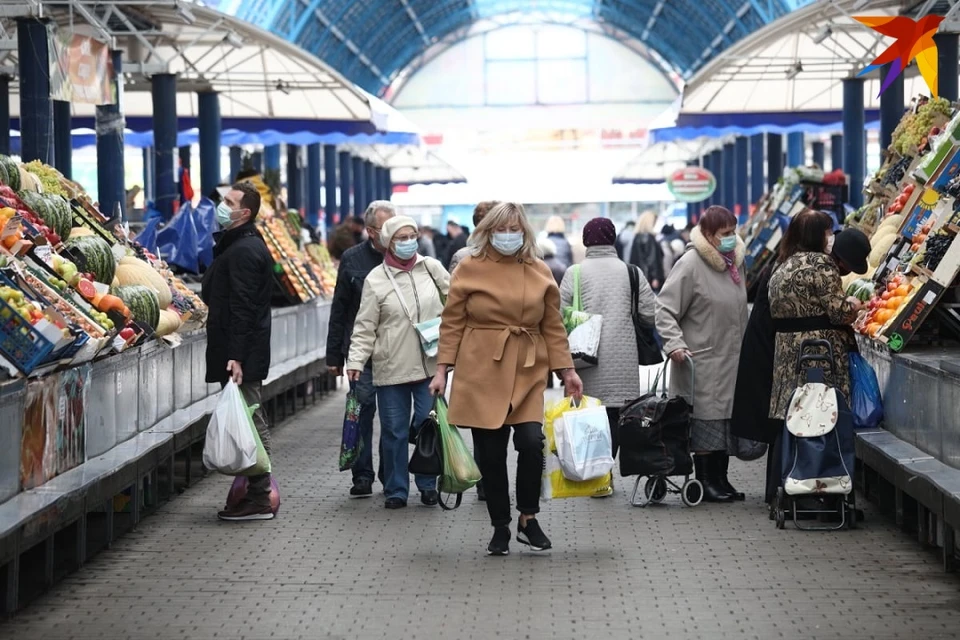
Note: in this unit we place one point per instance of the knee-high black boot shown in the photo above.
(705, 471)
(723, 464)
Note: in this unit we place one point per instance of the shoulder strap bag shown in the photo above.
(648, 351)
(429, 330)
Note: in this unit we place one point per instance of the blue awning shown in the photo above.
(672, 134)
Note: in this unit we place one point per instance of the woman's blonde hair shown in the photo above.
(500, 215)
(647, 222)
(555, 224)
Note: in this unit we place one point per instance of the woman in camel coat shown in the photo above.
(501, 330)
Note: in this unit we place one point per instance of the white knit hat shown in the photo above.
(394, 224)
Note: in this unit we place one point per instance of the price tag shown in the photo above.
(44, 252)
(12, 227)
(119, 252)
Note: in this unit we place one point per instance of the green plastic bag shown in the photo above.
(263, 460)
(460, 471)
(574, 315)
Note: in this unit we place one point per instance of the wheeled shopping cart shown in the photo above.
(817, 448)
(655, 445)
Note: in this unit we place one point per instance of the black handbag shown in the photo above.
(648, 349)
(427, 458)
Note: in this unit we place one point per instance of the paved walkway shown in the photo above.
(329, 567)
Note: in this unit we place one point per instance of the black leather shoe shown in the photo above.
(430, 498)
(712, 492)
(723, 464)
(395, 503)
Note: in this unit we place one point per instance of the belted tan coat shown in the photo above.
(502, 332)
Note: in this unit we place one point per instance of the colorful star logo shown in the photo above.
(914, 40)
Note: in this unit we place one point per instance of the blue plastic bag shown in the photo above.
(351, 444)
(865, 401)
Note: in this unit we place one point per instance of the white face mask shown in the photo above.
(830, 242)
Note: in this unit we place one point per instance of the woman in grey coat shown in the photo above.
(702, 316)
(605, 290)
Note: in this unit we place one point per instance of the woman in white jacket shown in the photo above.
(405, 291)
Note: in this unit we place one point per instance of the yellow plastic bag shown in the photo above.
(553, 483)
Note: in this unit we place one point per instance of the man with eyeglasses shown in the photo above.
(357, 262)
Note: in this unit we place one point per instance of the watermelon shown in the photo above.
(142, 302)
(10, 172)
(53, 210)
(98, 256)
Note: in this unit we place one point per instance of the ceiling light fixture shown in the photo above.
(822, 35)
(794, 71)
(283, 87)
(233, 40)
(185, 14)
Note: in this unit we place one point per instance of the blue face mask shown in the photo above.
(507, 243)
(224, 215)
(406, 249)
(727, 244)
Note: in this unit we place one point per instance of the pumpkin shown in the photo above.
(132, 271)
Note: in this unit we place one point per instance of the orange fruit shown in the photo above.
(873, 329)
(883, 315)
(902, 291)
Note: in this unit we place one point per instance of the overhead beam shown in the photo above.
(416, 22)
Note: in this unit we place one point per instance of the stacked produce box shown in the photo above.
(300, 276)
(798, 189)
(70, 290)
(912, 215)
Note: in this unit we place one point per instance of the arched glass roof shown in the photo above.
(371, 41)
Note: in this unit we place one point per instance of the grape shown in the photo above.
(936, 248)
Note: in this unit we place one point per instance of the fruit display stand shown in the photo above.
(299, 276)
(799, 188)
(915, 260)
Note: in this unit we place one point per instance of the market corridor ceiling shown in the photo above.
(372, 41)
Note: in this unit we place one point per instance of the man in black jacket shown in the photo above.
(237, 289)
(356, 263)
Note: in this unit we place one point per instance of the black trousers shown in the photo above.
(490, 452)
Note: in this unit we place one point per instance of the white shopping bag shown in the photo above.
(585, 342)
(584, 443)
(230, 447)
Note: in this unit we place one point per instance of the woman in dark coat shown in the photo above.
(751, 403)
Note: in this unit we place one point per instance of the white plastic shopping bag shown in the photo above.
(585, 342)
(584, 443)
(230, 447)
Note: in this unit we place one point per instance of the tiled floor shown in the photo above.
(330, 567)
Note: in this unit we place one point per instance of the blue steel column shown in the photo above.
(729, 175)
(294, 177)
(149, 189)
(382, 183)
(5, 115)
(716, 164)
(854, 147)
(947, 54)
(359, 187)
(774, 159)
(891, 110)
(330, 184)
(389, 182)
(185, 154)
(62, 140)
(36, 107)
(796, 153)
(346, 183)
(256, 159)
(271, 157)
(836, 152)
(110, 161)
(164, 89)
(236, 162)
(819, 154)
(370, 181)
(742, 195)
(757, 182)
(211, 126)
(313, 184)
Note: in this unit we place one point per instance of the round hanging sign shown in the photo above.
(692, 184)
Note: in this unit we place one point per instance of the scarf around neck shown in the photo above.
(396, 263)
(730, 259)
